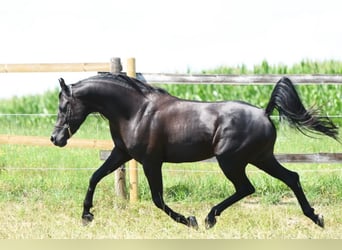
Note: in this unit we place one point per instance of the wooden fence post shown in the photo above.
(133, 166)
(115, 65)
(120, 173)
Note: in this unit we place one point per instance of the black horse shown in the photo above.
(151, 126)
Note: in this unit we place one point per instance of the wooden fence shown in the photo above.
(54, 67)
(115, 66)
(237, 79)
(291, 158)
(45, 142)
(169, 78)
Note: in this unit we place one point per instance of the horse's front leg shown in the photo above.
(154, 177)
(115, 160)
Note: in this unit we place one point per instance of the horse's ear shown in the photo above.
(62, 84)
(65, 88)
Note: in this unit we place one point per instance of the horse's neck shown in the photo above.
(113, 104)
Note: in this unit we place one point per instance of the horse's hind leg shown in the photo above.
(271, 166)
(154, 177)
(235, 172)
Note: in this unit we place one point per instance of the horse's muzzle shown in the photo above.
(59, 143)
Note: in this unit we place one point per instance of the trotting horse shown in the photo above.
(151, 126)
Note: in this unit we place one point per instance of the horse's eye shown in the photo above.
(62, 109)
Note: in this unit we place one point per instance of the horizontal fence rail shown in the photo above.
(54, 67)
(174, 170)
(236, 79)
(171, 78)
(105, 147)
(45, 141)
(293, 158)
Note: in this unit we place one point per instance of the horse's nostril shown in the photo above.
(52, 138)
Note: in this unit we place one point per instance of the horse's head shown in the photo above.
(71, 114)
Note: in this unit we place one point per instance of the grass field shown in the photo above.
(47, 204)
(246, 220)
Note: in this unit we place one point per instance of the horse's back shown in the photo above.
(197, 130)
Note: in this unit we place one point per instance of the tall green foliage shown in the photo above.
(303, 67)
(326, 97)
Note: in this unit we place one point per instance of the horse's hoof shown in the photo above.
(320, 221)
(210, 222)
(87, 218)
(192, 222)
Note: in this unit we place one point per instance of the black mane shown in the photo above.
(125, 81)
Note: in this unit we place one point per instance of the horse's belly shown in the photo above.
(188, 153)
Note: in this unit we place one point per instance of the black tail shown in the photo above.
(285, 99)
